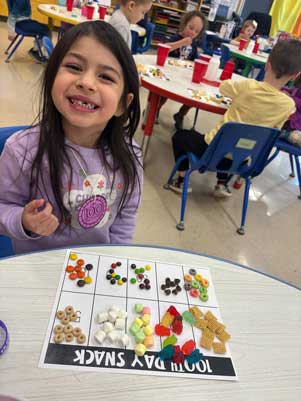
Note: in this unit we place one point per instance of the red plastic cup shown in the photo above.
(162, 53)
(229, 66)
(205, 57)
(199, 70)
(242, 44)
(102, 12)
(90, 11)
(84, 11)
(256, 47)
(226, 74)
(69, 5)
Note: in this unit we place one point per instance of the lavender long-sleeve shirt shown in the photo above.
(95, 183)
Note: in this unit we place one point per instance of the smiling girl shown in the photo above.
(76, 177)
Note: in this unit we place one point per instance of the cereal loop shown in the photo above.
(81, 339)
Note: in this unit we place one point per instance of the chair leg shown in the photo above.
(174, 170)
(241, 230)
(195, 118)
(180, 225)
(14, 49)
(11, 44)
(37, 40)
(292, 174)
(298, 174)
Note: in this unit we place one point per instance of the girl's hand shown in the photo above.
(187, 41)
(39, 222)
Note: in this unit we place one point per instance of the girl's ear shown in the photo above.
(120, 109)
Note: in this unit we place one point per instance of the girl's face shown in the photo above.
(87, 90)
(249, 31)
(193, 27)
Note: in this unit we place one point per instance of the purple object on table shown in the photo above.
(4, 345)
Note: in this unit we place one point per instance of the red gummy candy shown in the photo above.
(188, 347)
(177, 348)
(177, 326)
(178, 357)
(172, 310)
(162, 331)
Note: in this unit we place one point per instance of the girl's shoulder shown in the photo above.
(25, 140)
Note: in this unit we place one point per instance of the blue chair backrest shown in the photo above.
(150, 27)
(6, 248)
(241, 142)
(6, 132)
(225, 56)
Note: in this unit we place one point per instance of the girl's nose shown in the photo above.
(87, 82)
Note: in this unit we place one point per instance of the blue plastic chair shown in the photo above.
(294, 153)
(6, 248)
(150, 27)
(242, 141)
(27, 28)
(225, 56)
(47, 44)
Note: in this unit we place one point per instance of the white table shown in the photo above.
(262, 314)
(74, 17)
(175, 89)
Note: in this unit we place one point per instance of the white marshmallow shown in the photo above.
(100, 336)
(112, 316)
(107, 327)
(122, 314)
(114, 308)
(120, 324)
(123, 340)
(102, 317)
(113, 336)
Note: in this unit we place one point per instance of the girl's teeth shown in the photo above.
(83, 104)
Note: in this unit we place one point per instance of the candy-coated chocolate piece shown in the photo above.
(118, 263)
(80, 262)
(88, 280)
(81, 274)
(73, 256)
(89, 266)
(133, 266)
(113, 265)
(80, 283)
(73, 276)
(148, 267)
(69, 269)
(133, 280)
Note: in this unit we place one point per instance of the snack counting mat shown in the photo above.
(137, 316)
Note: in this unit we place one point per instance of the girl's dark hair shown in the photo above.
(188, 16)
(117, 137)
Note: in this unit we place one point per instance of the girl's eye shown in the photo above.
(106, 77)
(73, 67)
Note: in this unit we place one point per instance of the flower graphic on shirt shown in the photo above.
(100, 184)
(94, 184)
(119, 185)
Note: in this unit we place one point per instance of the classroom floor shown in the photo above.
(273, 235)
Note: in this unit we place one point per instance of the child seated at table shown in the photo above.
(247, 31)
(20, 10)
(184, 45)
(253, 102)
(291, 130)
(130, 12)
